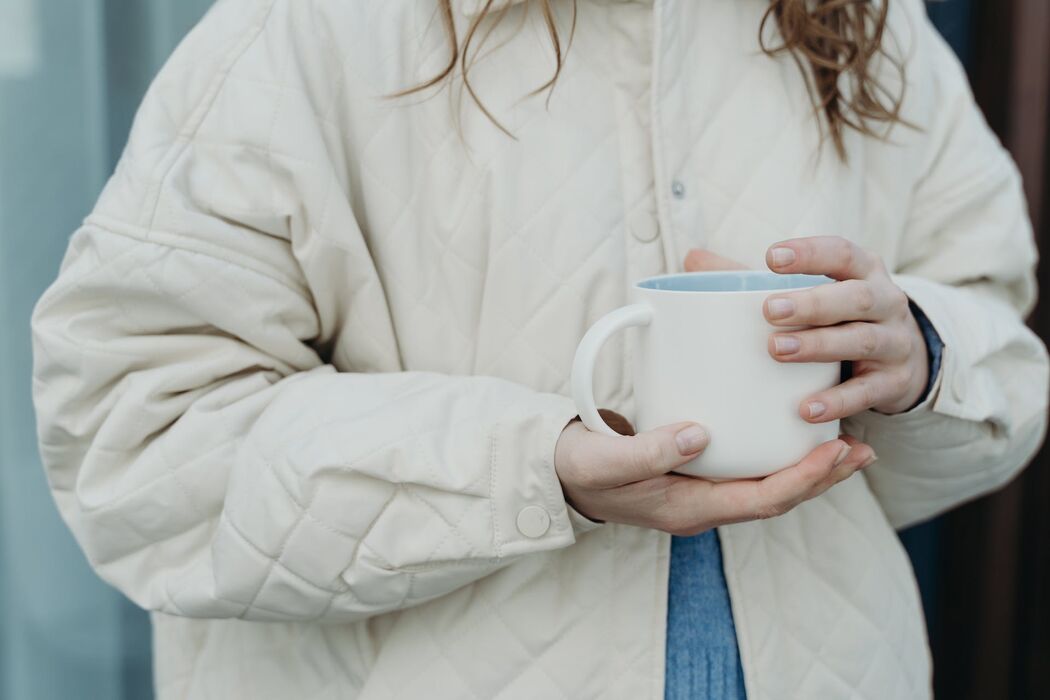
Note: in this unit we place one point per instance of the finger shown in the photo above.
(691, 505)
(701, 503)
(850, 341)
(780, 492)
(828, 304)
(607, 461)
(834, 256)
(699, 260)
(861, 457)
(737, 501)
(853, 396)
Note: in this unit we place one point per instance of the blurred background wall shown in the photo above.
(72, 73)
(988, 572)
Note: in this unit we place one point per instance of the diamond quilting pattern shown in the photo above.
(344, 362)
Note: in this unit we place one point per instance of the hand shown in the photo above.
(626, 479)
(863, 318)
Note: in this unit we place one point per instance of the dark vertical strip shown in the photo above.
(1029, 87)
(993, 622)
(128, 65)
(136, 672)
(952, 18)
(5, 597)
(129, 70)
(1031, 667)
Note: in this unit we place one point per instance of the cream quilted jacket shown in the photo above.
(307, 360)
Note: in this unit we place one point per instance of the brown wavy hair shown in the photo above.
(836, 44)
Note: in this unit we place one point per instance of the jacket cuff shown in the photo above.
(950, 393)
(934, 352)
(529, 509)
(581, 523)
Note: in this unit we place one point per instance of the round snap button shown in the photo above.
(644, 227)
(533, 521)
(678, 189)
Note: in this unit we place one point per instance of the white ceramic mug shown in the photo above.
(702, 356)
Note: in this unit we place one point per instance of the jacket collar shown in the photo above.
(473, 7)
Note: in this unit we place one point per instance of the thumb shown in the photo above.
(699, 260)
(651, 453)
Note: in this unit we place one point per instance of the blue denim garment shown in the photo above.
(703, 662)
(702, 658)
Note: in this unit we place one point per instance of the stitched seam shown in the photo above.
(185, 135)
(535, 661)
(186, 244)
(493, 453)
(657, 145)
(848, 603)
(112, 506)
(306, 513)
(452, 529)
(274, 562)
(739, 610)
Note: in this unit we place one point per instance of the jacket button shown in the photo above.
(533, 521)
(644, 227)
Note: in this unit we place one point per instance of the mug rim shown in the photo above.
(804, 281)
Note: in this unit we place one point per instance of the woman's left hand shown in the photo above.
(863, 317)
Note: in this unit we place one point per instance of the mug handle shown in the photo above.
(587, 353)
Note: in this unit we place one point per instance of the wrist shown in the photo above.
(932, 348)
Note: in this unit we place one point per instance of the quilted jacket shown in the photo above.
(307, 361)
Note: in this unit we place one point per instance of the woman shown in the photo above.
(302, 379)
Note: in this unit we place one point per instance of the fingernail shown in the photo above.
(870, 461)
(691, 440)
(780, 308)
(782, 256)
(843, 454)
(816, 409)
(786, 344)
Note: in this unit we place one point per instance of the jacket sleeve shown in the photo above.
(207, 459)
(967, 259)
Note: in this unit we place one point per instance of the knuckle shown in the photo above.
(847, 254)
(899, 302)
(865, 299)
(898, 343)
(876, 261)
(814, 345)
(869, 340)
(869, 393)
(836, 401)
(810, 306)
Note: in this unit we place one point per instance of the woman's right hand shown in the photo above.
(627, 479)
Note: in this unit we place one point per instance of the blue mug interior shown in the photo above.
(731, 281)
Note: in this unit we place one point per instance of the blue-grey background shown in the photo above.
(71, 75)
